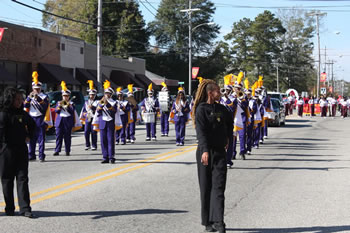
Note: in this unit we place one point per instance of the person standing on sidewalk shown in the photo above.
(214, 126)
(16, 129)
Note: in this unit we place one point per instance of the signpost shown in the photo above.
(323, 90)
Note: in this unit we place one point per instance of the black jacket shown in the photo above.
(214, 124)
(15, 126)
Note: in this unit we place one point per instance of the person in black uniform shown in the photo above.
(16, 128)
(213, 125)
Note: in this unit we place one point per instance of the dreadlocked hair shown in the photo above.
(202, 95)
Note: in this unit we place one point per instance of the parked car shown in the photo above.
(278, 116)
(56, 96)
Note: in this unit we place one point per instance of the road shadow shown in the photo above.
(105, 214)
(296, 126)
(299, 120)
(291, 168)
(306, 139)
(297, 155)
(297, 160)
(318, 229)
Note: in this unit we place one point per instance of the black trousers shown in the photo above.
(212, 184)
(14, 165)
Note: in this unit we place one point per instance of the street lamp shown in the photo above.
(190, 30)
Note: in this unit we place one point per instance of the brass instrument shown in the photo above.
(33, 95)
(103, 101)
(65, 104)
(222, 91)
(240, 94)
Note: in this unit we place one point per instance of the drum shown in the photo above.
(149, 117)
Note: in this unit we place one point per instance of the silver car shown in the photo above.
(278, 116)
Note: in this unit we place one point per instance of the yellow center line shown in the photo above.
(103, 173)
(50, 196)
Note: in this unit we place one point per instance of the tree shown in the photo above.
(296, 61)
(124, 31)
(256, 45)
(170, 26)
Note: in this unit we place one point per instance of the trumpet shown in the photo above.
(33, 95)
(103, 101)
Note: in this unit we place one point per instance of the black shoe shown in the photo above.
(10, 213)
(28, 214)
(32, 159)
(42, 160)
(105, 161)
(56, 154)
(210, 228)
(242, 156)
(112, 161)
(67, 154)
(220, 227)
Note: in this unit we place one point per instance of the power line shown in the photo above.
(146, 8)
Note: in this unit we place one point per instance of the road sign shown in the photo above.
(181, 83)
(323, 91)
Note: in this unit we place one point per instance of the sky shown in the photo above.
(334, 32)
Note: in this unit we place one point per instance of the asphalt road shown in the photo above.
(297, 181)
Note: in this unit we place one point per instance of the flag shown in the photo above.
(1, 33)
(195, 71)
(323, 77)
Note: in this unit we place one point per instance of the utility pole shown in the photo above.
(189, 12)
(189, 47)
(318, 14)
(278, 84)
(99, 45)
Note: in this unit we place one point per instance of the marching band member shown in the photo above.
(324, 106)
(267, 107)
(86, 116)
(286, 105)
(240, 119)
(252, 108)
(291, 104)
(344, 107)
(130, 129)
(258, 119)
(66, 121)
(312, 103)
(150, 105)
(180, 110)
(37, 105)
(300, 104)
(124, 113)
(347, 99)
(231, 107)
(105, 122)
(333, 104)
(164, 115)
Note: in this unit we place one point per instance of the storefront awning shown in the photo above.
(123, 79)
(159, 79)
(55, 74)
(82, 75)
